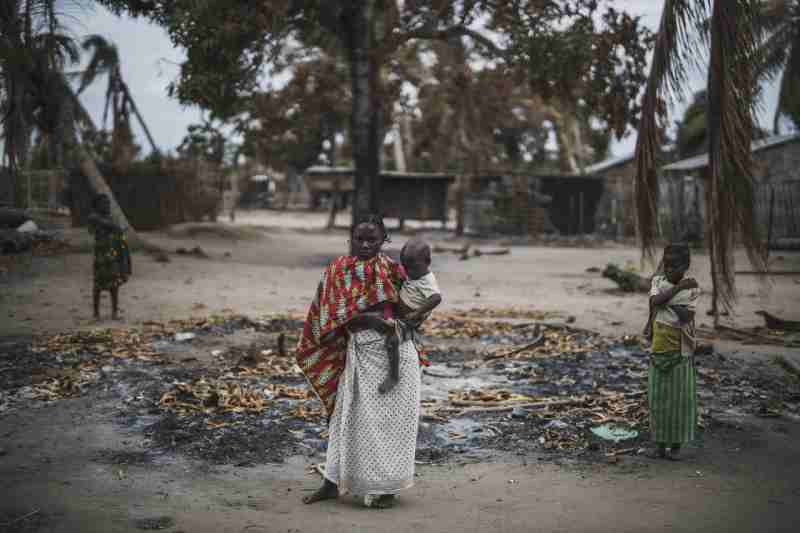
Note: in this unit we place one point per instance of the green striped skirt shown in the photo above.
(672, 397)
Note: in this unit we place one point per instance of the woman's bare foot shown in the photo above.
(328, 491)
(384, 501)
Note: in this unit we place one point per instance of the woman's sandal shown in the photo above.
(328, 491)
(384, 501)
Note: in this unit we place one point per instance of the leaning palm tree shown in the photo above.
(37, 96)
(780, 55)
(728, 27)
(105, 60)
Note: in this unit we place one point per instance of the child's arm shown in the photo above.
(666, 295)
(104, 222)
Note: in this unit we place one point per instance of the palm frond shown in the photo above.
(731, 95)
(674, 52)
(773, 52)
(789, 96)
(105, 59)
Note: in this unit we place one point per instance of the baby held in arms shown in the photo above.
(419, 295)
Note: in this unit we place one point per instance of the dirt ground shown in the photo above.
(71, 465)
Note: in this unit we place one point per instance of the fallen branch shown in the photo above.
(282, 345)
(752, 334)
(788, 366)
(773, 322)
(21, 518)
(556, 325)
(499, 407)
(627, 281)
(769, 273)
(501, 251)
(537, 342)
(447, 249)
(433, 373)
(427, 417)
(624, 451)
(478, 406)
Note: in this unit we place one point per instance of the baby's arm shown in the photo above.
(429, 305)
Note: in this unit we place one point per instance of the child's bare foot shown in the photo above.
(674, 453)
(387, 385)
(328, 491)
(384, 501)
(659, 452)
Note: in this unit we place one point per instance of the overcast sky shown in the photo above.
(149, 63)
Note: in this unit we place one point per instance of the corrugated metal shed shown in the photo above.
(608, 164)
(701, 161)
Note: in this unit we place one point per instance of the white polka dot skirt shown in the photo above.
(373, 436)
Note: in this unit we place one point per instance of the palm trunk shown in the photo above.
(140, 119)
(88, 167)
(399, 152)
(567, 160)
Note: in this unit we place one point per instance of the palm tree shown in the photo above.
(37, 96)
(692, 134)
(780, 51)
(728, 26)
(105, 60)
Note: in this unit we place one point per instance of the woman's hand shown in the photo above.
(371, 320)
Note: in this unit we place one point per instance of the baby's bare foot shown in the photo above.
(387, 385)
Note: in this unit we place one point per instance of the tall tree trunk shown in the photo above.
(399, 152)
(567, 161)
(88, 167)
(142, 123)
(364, 124)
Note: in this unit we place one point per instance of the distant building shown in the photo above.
(615, 211)
(777, 191)
(405, 195)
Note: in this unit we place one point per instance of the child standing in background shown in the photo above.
(672, 394)
(112, 258)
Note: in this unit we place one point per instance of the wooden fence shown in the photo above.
(778, 210)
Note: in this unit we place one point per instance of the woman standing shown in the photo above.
(372, 436)
(672, 395)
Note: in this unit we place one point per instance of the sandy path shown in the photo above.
(275, 264)
(51, 459)
(737, 483)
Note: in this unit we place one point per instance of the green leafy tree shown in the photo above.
(288, 128)
(230, 44)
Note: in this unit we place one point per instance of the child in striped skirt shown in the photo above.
(672, 396)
